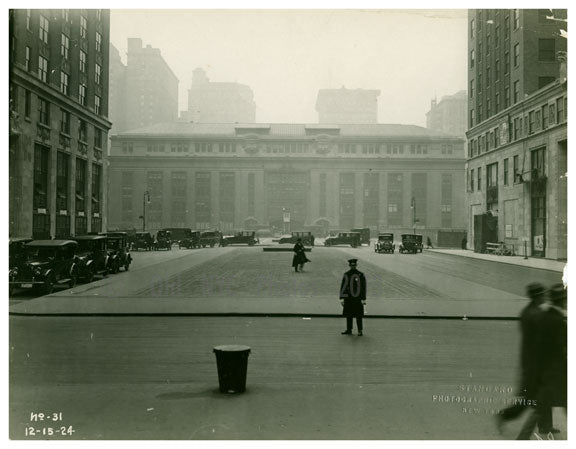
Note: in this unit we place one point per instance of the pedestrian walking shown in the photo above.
(299, 258)
(530, 363)
(353, 297)
(552, 389)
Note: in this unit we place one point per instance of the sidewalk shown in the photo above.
(532, 262)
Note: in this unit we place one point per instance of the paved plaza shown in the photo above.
(130, 356)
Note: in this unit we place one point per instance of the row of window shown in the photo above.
(42, 174)
(538, 170)
(44, 117)
(43, 70)
(44, 26)
(489, 19)
(230, 147)
(537, 119)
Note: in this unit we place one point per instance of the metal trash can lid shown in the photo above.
(231, 348)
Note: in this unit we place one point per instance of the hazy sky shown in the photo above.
(286, 56)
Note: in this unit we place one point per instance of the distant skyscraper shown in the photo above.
(117, 91)
(343, 105)
(210, 102)
(449, 115)
(147, 88)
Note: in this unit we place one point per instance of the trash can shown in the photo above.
(232, 362)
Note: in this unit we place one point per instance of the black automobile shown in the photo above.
(17, 251)
(178, 235)
(209, 238)
(240, 237)
(410, 243)
(385, 243)
(47, 263)
(143, 240)
(364, 235)
(163, 239)
(419, 244)
(344, 238)
(306, 236)
(92, 256)
(190, 240)
(118, 251)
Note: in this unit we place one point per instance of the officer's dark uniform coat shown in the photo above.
(353, 292)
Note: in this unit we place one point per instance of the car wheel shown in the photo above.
(73, 280)
(48, 286)
(211, 245)
(90, 276)
(127, 267)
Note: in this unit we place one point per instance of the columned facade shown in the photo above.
(247, 176)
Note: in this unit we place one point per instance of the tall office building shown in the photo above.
(511, 54)
(218, 102)
(347, 106)
(117, 91)
(449, 114)
(151, 88)
(517, 136)
(58, 121)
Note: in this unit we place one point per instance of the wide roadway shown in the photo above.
(154, 377)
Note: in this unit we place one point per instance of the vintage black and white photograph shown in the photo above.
(295, 223)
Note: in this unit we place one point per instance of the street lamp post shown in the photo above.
(414, 215)
(145, 198)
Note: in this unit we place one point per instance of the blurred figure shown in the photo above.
(553, 357)
(529, 360)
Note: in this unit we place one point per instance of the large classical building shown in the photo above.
(517, 150)
(218, 102)
(449, 114)
(347, 105)
(147, 88)
(58, 121)
(246, 176)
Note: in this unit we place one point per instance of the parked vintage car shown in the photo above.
(364, 235)
(143, 240)
(47, 263)
(210, 238)
(190, 240)
(118, 251)
(419, 244)
(410, 243)
(344, 238)
(385, 243)
(178, 234)
(306, 236)
(240, 237)
(163, 240)
(92, 256)
(17, 251)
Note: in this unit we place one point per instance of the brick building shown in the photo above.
(517, 151)
(58, 121)
(243, 176)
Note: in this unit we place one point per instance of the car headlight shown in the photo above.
(37, 271)
(14, 272)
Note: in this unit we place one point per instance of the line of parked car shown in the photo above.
(411, 243)
(45, 264)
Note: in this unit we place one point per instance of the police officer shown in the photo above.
(353, 297)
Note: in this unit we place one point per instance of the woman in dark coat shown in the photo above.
(299, 258)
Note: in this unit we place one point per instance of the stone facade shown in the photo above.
(239, 176)
(525, 148)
